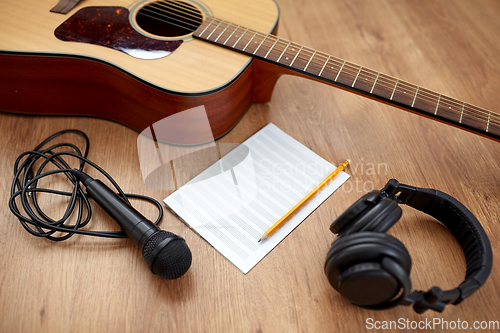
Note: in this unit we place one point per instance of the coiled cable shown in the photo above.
(25, 187)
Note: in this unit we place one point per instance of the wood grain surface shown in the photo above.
(101, 285)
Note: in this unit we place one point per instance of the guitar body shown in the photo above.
(42, 74)
(139, 62)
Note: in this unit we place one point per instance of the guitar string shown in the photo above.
(179, 9)
(356, 68)
(175, 6)
(349, 66)
(192, 28)
(425, 94)
(180, 19)
(171, 23)
(362, 75)
(178, 4)
(482, 114)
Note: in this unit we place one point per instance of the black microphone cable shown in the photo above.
(166, 257)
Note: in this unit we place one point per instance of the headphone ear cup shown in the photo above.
(367, 284)
(355, 210)
(372, 212)
(369, 269)
(378, 218)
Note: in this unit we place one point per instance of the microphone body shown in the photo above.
(138, 228)
(165, 253)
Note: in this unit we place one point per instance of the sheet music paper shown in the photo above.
(233, 202)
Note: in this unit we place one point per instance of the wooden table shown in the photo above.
(101, 285)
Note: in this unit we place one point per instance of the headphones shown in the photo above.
(371, 269)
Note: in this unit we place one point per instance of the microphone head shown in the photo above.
(167, 255)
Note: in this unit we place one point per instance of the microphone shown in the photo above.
(165, 253)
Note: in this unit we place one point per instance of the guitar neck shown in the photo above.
(350, 76)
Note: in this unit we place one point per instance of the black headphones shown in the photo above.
(371, 269)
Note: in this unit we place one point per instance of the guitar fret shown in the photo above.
(360, 68)
(218, 25)
(231, 35)
(327, 60)
(223, 31)
(378, 85)
(437, 105)
(309, 61)
(283, 52)
(340, 70)
(371, 91)
(296, 56)
(414, 98)
(271, 48)
(255, 34)
(258, 47)
(397, 81)
(488, 124)
(213, 19)
(240, 37)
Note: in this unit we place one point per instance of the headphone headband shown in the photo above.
(467, 230)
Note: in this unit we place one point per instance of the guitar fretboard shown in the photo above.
(349, 76)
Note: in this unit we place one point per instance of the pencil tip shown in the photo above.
(264, 236)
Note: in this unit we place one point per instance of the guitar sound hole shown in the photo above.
(169, 18)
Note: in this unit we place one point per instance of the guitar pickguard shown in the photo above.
(110, 27)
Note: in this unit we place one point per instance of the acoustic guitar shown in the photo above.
(139, 62)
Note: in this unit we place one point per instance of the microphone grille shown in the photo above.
(170, 261)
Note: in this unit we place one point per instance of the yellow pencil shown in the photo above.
(303, 201)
